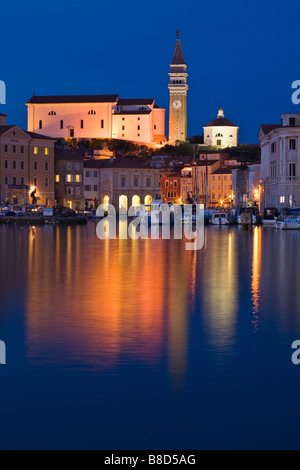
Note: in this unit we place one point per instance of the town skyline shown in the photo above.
(249, 97)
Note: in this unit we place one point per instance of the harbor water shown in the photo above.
(141, 344)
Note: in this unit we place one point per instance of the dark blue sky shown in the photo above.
(242, 56)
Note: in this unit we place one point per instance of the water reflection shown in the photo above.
(220, 291)
(256, 276)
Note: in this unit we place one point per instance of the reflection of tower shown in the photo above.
(256, 276)
(221, 291)
(178, 90)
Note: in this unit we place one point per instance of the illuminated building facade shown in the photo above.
(221, 132)
(280, 162)
(97, 117)
(26, 163)
(178, 94)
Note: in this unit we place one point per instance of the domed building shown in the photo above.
(221, 132)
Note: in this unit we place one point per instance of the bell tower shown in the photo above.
(178, 90)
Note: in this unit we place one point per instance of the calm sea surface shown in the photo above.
(130, 344)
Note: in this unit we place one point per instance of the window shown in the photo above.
(61, 124)
(95, 174)
(6, 180)
(35, 150)
(123, 181)
(6, 148)
(71, 133)
(92, 112)
(22, 149)
(292, 121)
(87, 174)
(35, 166)
(154, 126)
(282, 199)
(135, 181)
(219, 142)
(46, 182)
(77, 190)
(56, 178)
(273, 147)
(102, 123)
(22, 181)
(292, 143)
(14, 149)
(175, 184)
(273, 171)
(40, 124)
(22, 165)
(138, 135)
(14, 181)
(69, 190)
(292, 170)
(123, 128)
(14, 165)
(138, 128)
(148, 182)
(123, 119)
(69, 166)
(81, 123)
(6, 164)
(35, 181)
(95, 187)
(87, 187)
(52, 113)
(69, 178)
(78, 178)
(167, 184)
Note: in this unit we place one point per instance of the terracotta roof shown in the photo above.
(4, 129)
(135, 101)
(96, 163)
(266, 128)
(225, 170)
(4, 115)
(126, 163)
(208, 163)
(147, 111)
(33, 135)
(220, 122)
(73, 99)
(69, 154)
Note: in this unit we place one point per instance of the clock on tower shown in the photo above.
(178, 90)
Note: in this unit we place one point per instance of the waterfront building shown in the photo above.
(91, 182)
(69, 178)
(280, 162)
(221, 132)
(97, 117)
(26, 165)
(170, 189)
(178, 95)
(186, 185)
(126, 182)
(246, 185)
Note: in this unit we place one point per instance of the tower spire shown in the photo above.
(178, 90)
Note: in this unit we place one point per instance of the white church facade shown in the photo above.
(221, 132)
(97, 117)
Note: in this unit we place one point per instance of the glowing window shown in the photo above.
(35, 151)
(57, 178)
(46, 151)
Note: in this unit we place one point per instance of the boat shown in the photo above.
(270, 216)
(220, 218)
(249, 216)
(289, 219)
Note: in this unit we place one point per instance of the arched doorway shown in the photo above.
(136, 201)
(106, 202)
(123, 203)
(15, 199)
(148, 200)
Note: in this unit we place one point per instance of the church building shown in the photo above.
(178, 93)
